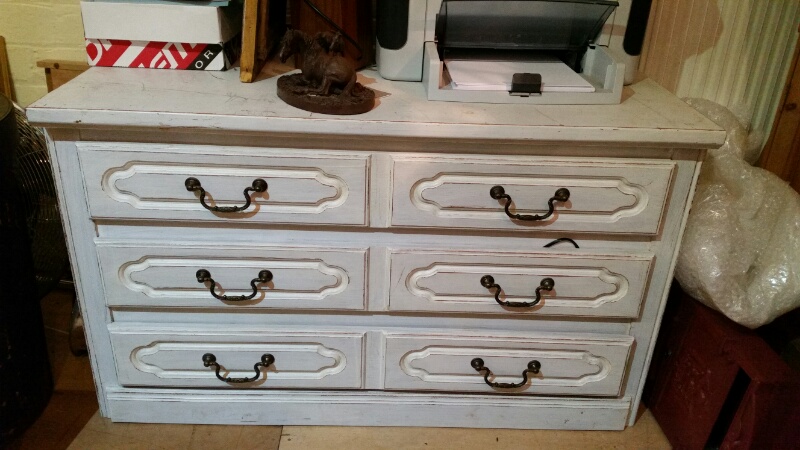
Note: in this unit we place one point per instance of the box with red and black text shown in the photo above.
(160, 55)
(162, 34)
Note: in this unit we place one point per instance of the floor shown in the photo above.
(71, 421)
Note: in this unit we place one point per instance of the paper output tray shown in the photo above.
(600, 69)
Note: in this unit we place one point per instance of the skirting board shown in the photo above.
(365, 409)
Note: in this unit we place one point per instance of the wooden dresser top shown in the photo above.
(217, 101)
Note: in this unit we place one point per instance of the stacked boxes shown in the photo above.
(162, 34)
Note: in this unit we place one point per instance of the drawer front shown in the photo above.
(148, 181)
(584, 284)
(605, 196)
(569, 365)
(173, 356)
(166, 276)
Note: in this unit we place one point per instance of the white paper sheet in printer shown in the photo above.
(493, 51)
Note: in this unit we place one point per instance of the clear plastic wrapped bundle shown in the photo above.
(741, 248)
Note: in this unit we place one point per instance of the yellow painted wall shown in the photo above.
(36, 30)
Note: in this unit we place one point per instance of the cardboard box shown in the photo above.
(160, 55)
(160, 22)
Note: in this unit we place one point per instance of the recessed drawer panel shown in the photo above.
(176, 356)
(149, 181)
(580, 284)
(604, 196)
(565, 365)
(167, 276)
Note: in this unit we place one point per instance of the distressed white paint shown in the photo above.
(135, 267)
(623, 196)
(306, 278)
(574, 365)
(174, 357)
(175, 99)
(139, 181)
(586, 284)
(357, 408)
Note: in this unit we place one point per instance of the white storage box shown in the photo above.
(156, 22)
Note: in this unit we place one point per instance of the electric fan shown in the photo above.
(38, 191)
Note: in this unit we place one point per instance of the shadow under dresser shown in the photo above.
(240, 261)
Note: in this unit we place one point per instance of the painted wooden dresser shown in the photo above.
(241, 261)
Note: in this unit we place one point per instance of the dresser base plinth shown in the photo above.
(366, 409)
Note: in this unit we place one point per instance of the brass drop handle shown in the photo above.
(499, 193)
(193, 184)
(203, 275)
(209, 360)
(534, 367)
(547, 284)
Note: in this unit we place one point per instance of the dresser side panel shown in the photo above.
(79, 232)
(645, 330)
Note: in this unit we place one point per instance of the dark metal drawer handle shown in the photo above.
(193, 184)
(498, 193)
(267, 360)
(265, 276)
(533, 367)
(547, 284)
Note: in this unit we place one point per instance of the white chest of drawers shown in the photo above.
(362, 283)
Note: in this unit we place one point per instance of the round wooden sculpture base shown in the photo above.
(292, 90)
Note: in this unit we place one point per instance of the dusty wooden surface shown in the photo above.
(106, 96)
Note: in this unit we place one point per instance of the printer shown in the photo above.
(495, 51)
